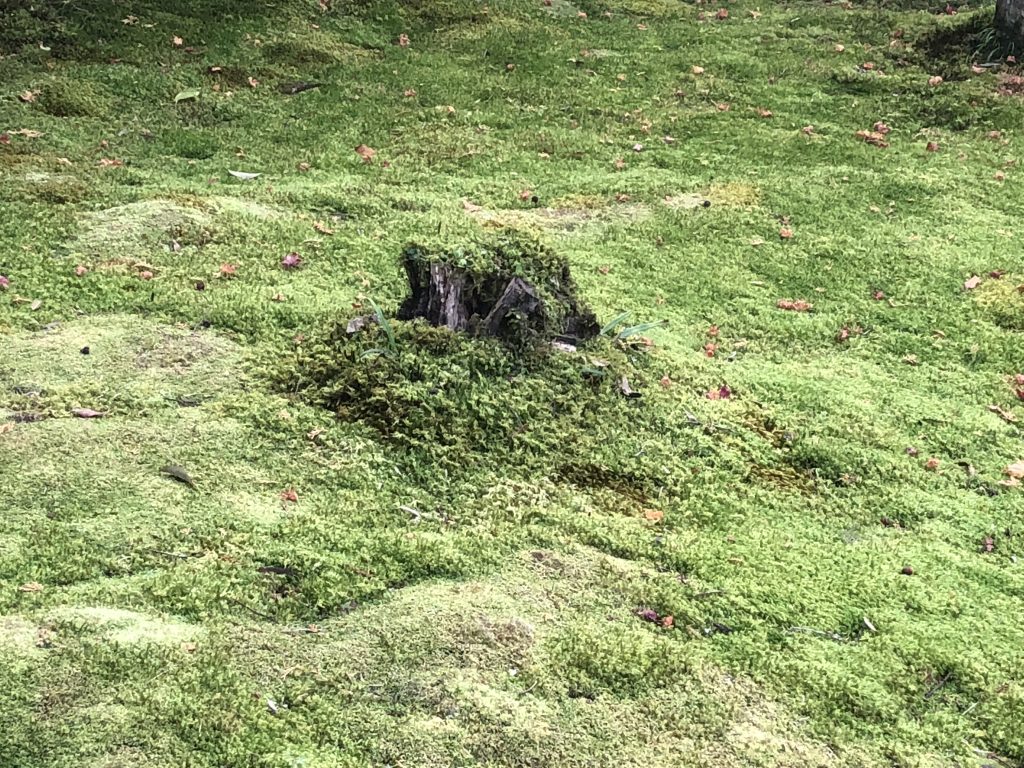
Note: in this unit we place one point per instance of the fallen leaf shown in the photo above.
(470, 207)
(935, 80)
(189, 647)
(366, 153)
(244, 175)
(665, 382)
(668, 622)
(668, 139)
(723, 13)
(5, 282)
(876, 138)
(177, 42)
(627, 390)
(291, 261)
(794, 306)
(86, 413)
(710, 349)
(145, 275)
(697, 70)
(972, 283)
(654, 515)
(785, 233)
(839, 48)
(868, 65)
(228, 270)
(403, 41)
(110, 162)
(932, 464)
(1015, 471)
(27, 96)
(756, 241)
(253, 82)
(712, 331)
(619, 163)
(31, 586)
(289, 495)
(409, 93)
(604, 270)
(5, 138)
(176, 472)
(999, 176)
(6, 427)
(881, 128)
(808, 130)
(525, 194)
(995, 134)
(638, 147)
(36, 304)
(322, 228)
(723, 106)
(303, 167)
(931, 146)
(764, 112)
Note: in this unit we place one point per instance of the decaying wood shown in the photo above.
(493, 304)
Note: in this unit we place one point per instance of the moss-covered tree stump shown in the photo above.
(510, 288)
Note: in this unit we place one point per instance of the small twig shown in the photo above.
(301, 630)
(252, 610)
(811, 631)
(938, 686)
(179, 555)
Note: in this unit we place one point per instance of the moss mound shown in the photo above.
(429, 389)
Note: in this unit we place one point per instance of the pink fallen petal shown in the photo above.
(291, 261)
(4, 282)
(973, 283)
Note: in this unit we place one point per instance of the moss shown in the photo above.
(1003, 301)
(63, 97)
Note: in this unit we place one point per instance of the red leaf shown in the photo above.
(710, 348)
(289, 495)
(365, 152)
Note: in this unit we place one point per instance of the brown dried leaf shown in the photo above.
(877, 138)
(972, 283)
(365, 152)
(31, 586)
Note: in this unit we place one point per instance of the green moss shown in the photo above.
(62, 97)
(433, 554)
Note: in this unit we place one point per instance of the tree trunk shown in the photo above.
(1009, 22)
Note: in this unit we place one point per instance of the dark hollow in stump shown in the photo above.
(510, 290)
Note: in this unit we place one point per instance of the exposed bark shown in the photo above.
(1009, 21)
(494, 303)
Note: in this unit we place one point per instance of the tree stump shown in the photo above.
(511, 289)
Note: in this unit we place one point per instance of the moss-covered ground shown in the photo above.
(801, 545)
